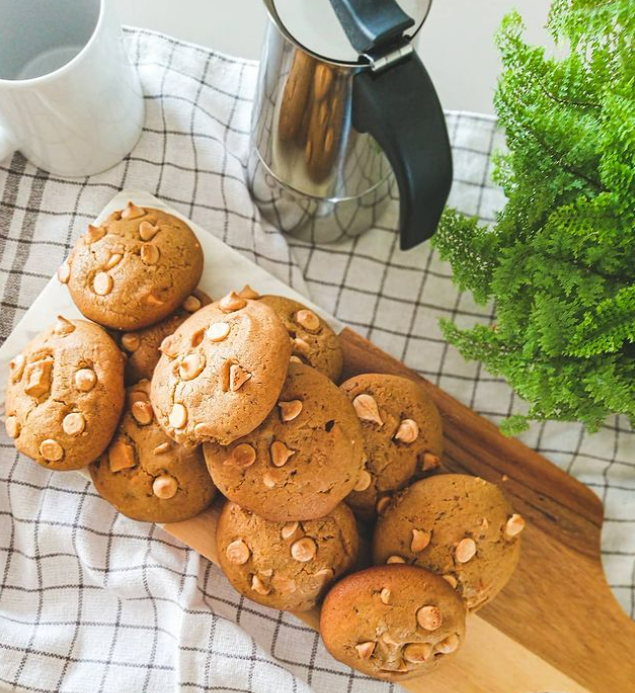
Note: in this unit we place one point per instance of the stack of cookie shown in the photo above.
(168, 397)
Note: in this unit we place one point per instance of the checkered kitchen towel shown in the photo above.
(91, 601)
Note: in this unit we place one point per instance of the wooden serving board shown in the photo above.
(556, 626)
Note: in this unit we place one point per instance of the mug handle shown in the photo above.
(400, 108)
(7, 145)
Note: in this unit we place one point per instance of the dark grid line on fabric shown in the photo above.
(136, 579)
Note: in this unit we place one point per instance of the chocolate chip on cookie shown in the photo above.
(458, 526)
(135, 269)
(285, 565)
(313, 341)
(302, 460)
(221, 372)
(402, 433)
(392, 622)
(145, 474)
(65, 395)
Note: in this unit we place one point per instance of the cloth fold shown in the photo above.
(92, 601)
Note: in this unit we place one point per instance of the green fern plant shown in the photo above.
(559, 262)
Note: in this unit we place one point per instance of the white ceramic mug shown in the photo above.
(70, 100)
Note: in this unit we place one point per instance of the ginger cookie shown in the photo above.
(312, 340)
(65, 394)
(458, 526)
(221, 372)
(285, 565)
(142, 346)
(302, 460)
(402, 433)
(393, 622)
(135, 269)
(145, 474)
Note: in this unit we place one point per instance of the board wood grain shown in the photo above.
(556, 626)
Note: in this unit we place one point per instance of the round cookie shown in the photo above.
(147, 476)
(65, 395)
(392, 622)
(458, 526)
(286, 566)
(402, 433)
(221, 372)
(135, 269)
(142, 347)
(302, 460)
(312, 339)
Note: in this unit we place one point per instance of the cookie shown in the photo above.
(285, 565)
(135, 269)
(393, 622)
(142, 347)
(402, 433)
(302, 460)
(65, 395)
(221, 372)
(312, 340)
(145, 474)
(458, 526)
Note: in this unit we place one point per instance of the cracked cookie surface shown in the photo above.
(221, 372)
(402, 433)
(392, 622)
(135, 269)
(141, 347)
(302, 460)
(312, 339)
(65, 395)
(285, 565)
(459, 526)
(145, 474)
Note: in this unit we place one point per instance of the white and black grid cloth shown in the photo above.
(92, 601)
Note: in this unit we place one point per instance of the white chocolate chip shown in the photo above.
(154, 300)
(102, 284)
(13, 427)
(280, 453)
(217, 332)
(300, 346)
(382, 504)
(17, 368)
(169, 347)
(178, 416)
(237, 552)
(121, 456)
(259, 586)
(289, 530)
(407, 432)
(38, 378)
(237, 377)
(514, 525)
(451, 580)
(85, 379)
(268, 480)
(363, 481)
(366, 409)
(162, 448)
(192, 304)
(64, 272)
(94, 234)
(290, 410)
(142, 413)
(395, 559)
(248, 292)
(365, 649)
(63, 326)
(51, 450)
(448, 645)
(165, 487)
(384, 596)
(465, 550)
(304, 549)
(429, 617)
(191, 366)
(420, 540)
(74, 424)
(430, 462)
(295, 359)
(308, 319)
(130, 341)
(243, 455)
(283, 584)
(147, 231)
(231, 302)
(417, 652)
(113, 261)
(150, 254)
(132, 211)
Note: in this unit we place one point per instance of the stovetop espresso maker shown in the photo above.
(344, 109)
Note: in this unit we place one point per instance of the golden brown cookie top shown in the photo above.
(221, 372)
(302, 460)
(313, 341)
(458, 526)
(392, 622)
(402, 433)
(145, 474)
(133, 270)
(285, 565)
(141, 347)
(65, 395)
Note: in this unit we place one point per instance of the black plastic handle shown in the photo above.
(400, 108)
(370, 24)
